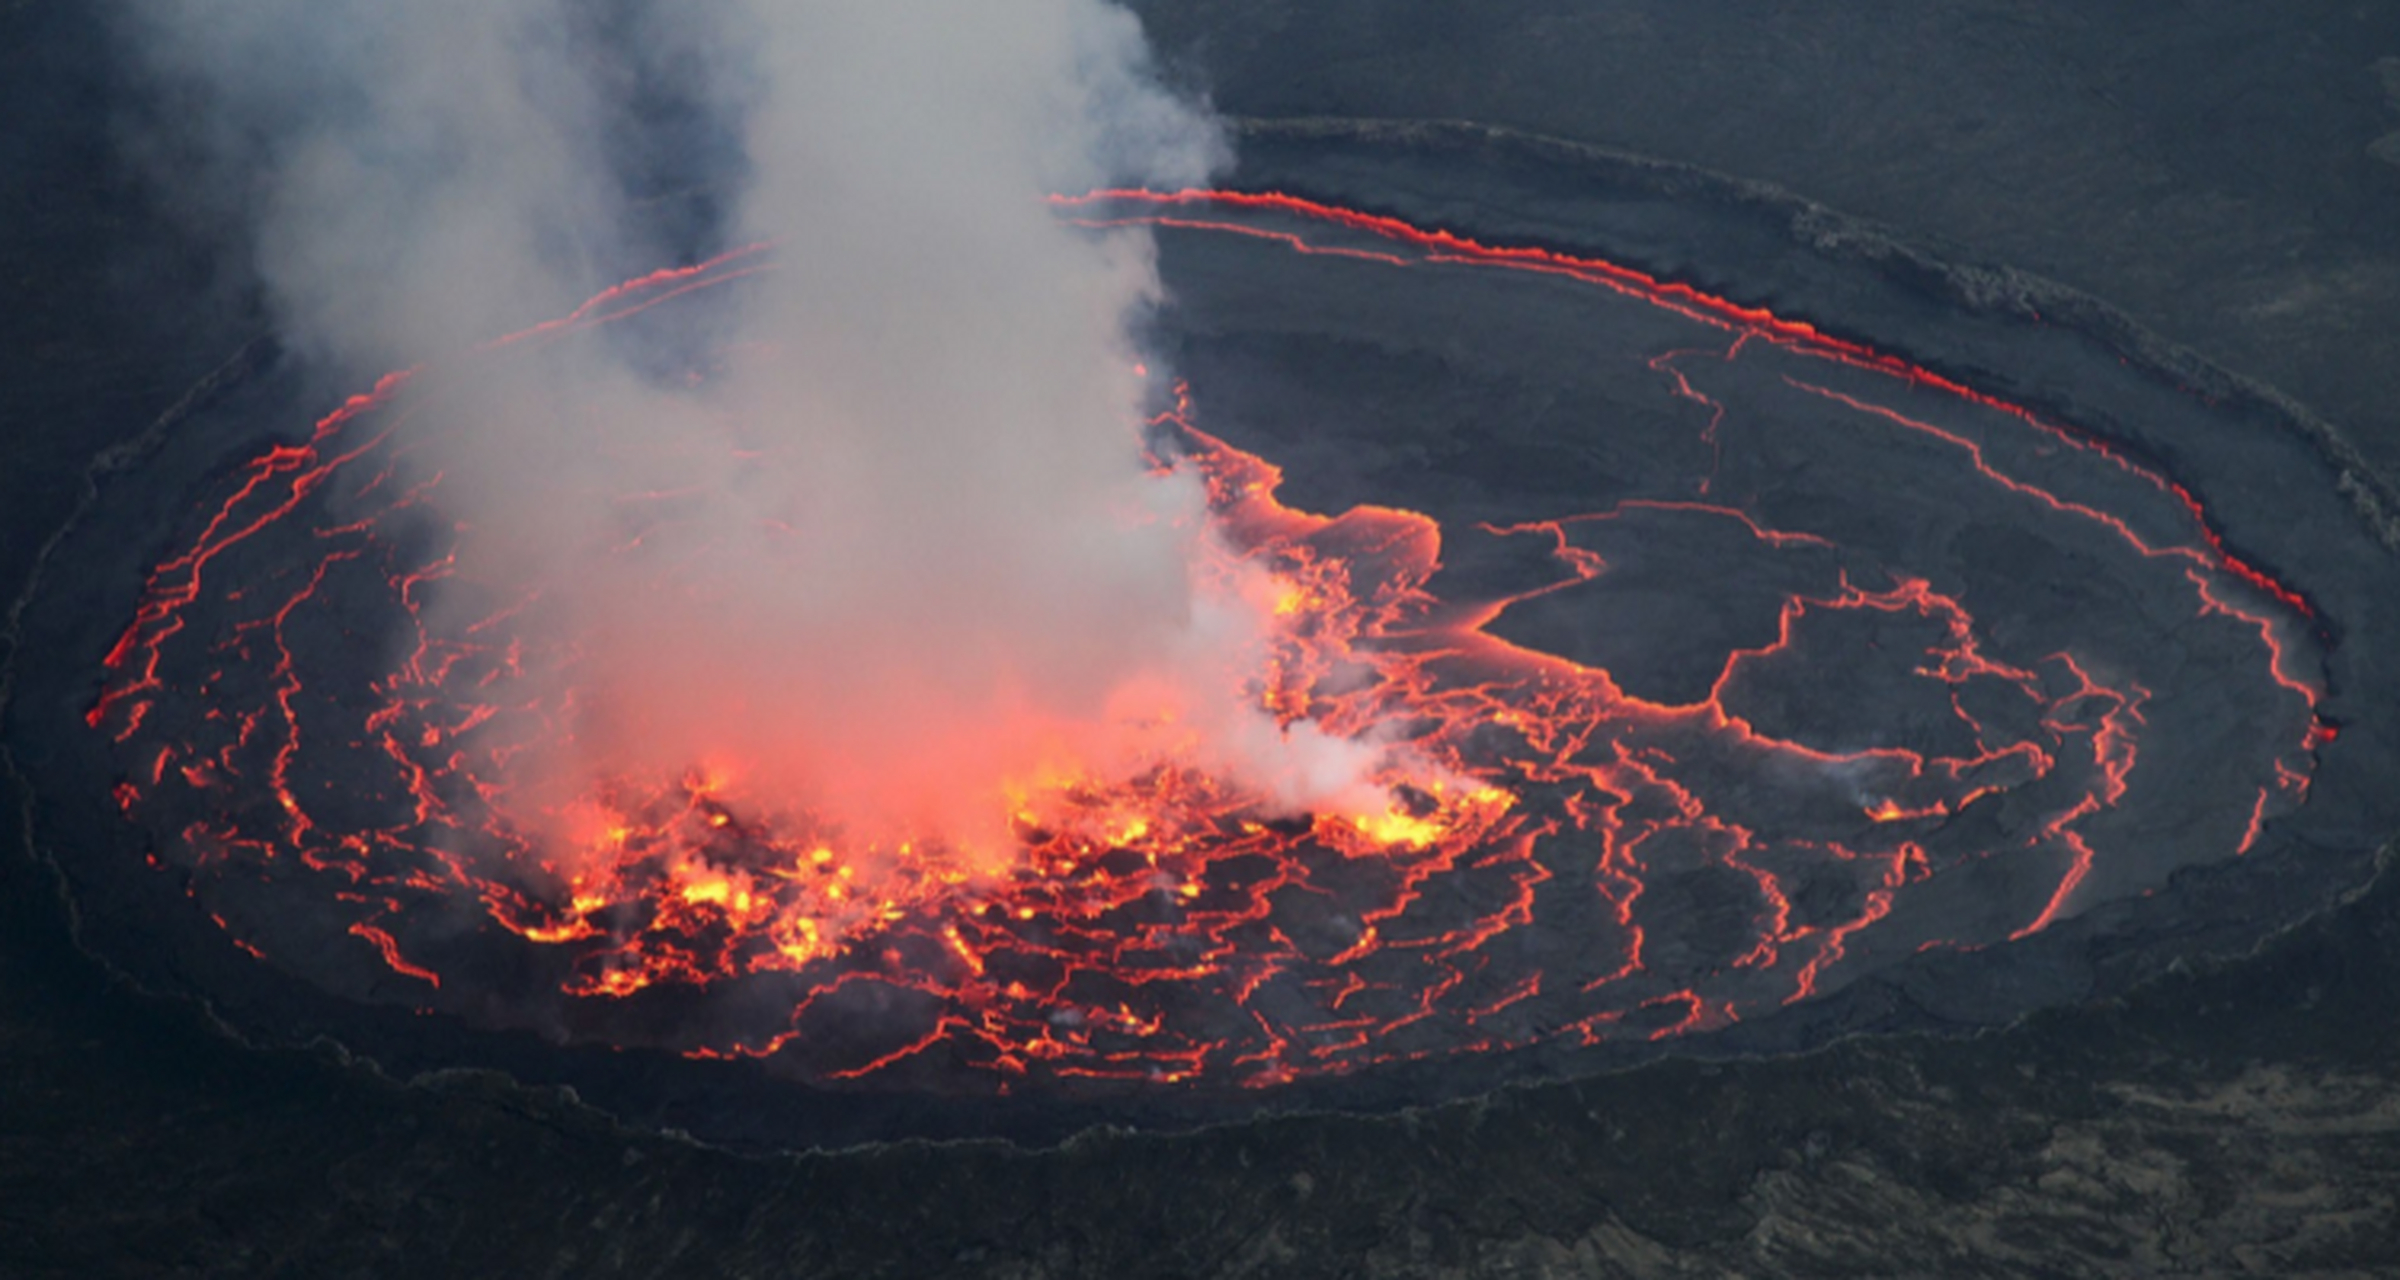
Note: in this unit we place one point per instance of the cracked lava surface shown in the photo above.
(1895, 746)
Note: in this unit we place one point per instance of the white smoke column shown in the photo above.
(914, 554)
(951, 557)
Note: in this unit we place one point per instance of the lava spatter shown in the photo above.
(1562, 852)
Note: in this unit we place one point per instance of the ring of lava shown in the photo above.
(1708, 741)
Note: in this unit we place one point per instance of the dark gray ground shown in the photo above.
(2212, 168)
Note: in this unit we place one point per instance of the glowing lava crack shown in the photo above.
(1564, 860)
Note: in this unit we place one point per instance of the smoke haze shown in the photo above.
(903, 556)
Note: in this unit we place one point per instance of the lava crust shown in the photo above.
(1734, 669)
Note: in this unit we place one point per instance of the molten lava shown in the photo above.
(1545, 856)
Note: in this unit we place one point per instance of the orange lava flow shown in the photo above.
(355, 813)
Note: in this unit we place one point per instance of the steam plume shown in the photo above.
(904, 554)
